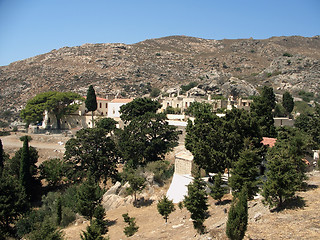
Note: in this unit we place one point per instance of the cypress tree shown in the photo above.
(287, 102)
(25, 175)
(238, 217)
(91, 102)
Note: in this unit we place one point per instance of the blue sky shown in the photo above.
(32, 27)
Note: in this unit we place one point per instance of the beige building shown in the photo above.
(82, 117)
(183, 163)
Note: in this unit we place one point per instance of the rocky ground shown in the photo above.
(300, 221)
(238, 66)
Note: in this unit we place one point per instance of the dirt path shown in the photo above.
(48, 146)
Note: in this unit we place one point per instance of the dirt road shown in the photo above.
(48, 146)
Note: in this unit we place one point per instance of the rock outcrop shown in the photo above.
(218, 66)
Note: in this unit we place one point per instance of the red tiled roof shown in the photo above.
(269, 141)
(306, 161)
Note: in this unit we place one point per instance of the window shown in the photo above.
(106, 105)
(100, 105)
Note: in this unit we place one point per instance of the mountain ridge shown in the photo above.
(285, 63)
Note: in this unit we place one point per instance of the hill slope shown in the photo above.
(217, 65)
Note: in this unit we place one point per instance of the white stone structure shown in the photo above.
(114, 107)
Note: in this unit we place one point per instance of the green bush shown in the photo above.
(52, 171)
(287, 54)
(4, 133)
(68, 216)
(189, 86)
(162, 170)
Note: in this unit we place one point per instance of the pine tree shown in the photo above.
(245, 172)
(196, 203)
(25, 175)
(136, 182)
(93, 232)
(283, 179)
(217, 191)
(238, 216)
(165, 207)
(132, 228)
(99, 215)
(89, 196)
(13, 202)
(91, 102)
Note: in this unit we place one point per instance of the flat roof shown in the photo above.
(122, 100)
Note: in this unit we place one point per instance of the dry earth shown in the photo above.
(48, 146)
(295, 223)
(299, 223)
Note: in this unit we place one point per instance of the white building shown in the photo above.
(114, 107)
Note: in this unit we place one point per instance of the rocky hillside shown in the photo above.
(219, 66)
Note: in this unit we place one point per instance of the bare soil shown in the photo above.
(48, 146)
(301, 220)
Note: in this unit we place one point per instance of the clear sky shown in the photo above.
(32, 27)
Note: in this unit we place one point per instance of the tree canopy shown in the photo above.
(13, 201)
(108, 124)
(310, 124)
(286, 169)
(216, 142)
(165, 207)
(89, 196)
(245, 172)
(147, 138)
(138, 107)
(91, 151)
(57, 103)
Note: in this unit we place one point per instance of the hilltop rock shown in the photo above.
(218, 66)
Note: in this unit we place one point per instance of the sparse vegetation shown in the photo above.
(165, 207)
(132, 228)
(286, 54)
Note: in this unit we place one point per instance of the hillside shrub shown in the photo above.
(286, 54)
(162, 170)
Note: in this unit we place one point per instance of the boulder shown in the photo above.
(114, 189)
